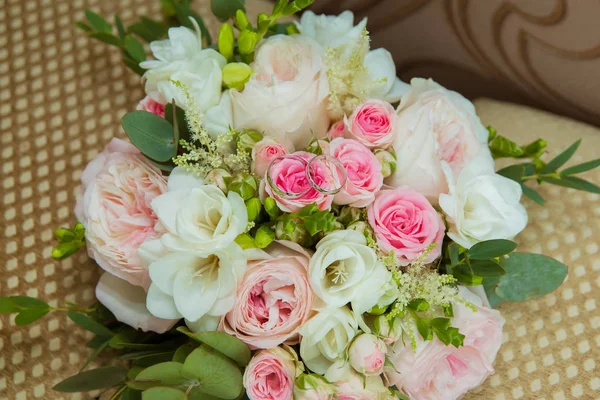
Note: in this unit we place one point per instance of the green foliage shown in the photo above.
(440, 326)
(528, 276)
(271, 208)
(162, 374)
(244, 185)
(89, 324)
(28, 309)
(184, 350)
(482, 260)
(99, 378)
(226, 9)
(491, 249)
(69, 241)
(151, 134)
(226, 344)
(264, 236)
(245, 241)
(163, 393)
(148, 29)
(226, 41)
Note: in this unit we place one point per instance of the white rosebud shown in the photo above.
(367, 354)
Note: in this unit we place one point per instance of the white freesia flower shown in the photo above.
(326, 336)
(198, 217)
(181, 58)
(482, 205)
(340, 266)
(194, 285)
(339, 32)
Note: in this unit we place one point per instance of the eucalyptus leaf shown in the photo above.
(163, 393)
(196, 394)
(184, 130)
(151, 134)
(27, 302)
(183, 351)
(107, 38)
(135, 49)
(89, 324)
(216, 374)
(7, 306)
(532, 194)
(561, 159)
(120, 27)
(30, 315)
(579, 168)
(491, 249)
(529, 276)
(465, 276)
(84, 27)
(152, 359)
(131, 394)
(166, 373)
(97, 22)
(225, 9)
(487, 268)
(230, 346)
(94, 379)
(574, 183)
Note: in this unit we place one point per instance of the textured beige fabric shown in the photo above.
(61, 99)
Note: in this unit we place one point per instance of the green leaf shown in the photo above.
(181, 121)
(29, 302)
(196, 394)
(83, 26)
(166, 373)
(135, 49)
(529, 276)
(120, 27)
(225, 9)
(579, 168)
(217, 375)
(97, 22)
(264, 237)
(489, 285)
(574, 183)
(491, 249)
(95, 353)
(419, 305)
(518, 171)
(440, 323)
(151, 134)
(133, 65)
(561, 159)
(131, 394)
(183, 351)
(230, 346)
(106, 38)
(453, 253)
(245, 241)
(424, 329)
(94, 379)
(532, 194)
(449, 311)
(487, 268)
(96, 342)
(167, 166)
(464, 276)
(7, 306)
(153, 359)
(89, 324)
(163, 393)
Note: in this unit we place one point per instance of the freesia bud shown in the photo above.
(253, 207)
(226, 41)
(387, 160)
(241, 20)
(245, 241)
(271, 208)
(264, 237)
(235, 75)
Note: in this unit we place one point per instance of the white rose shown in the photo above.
(339, 32)
(435, 125)
(350, 384)
(194, 285)
(128, 304)
(286, 97)
(198, 217)
(482, 205)
(340, 266)
(181, 58)
(326, 336)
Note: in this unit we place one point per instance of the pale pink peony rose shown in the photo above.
(367, 354)
(114, 206)
(363, 172)
(263, 153)
(373, 123)
(271, 373)
(405, 222)
(439, 372)
(151, 105)
(290, 176)
(274, 299)
(287, 95)
(435, 126)
(337, 129)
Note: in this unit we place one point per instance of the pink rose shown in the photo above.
(114, 206)
(405, 223)
(350, 385)
(436, 126)
(367, 354)
(436, 371)
(151, 105)
(274, 299)
(373, 123)
(338, 129)
(271, 373)
(289, 176)
(263, 153)
(363, 172)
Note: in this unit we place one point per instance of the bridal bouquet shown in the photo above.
(291, 221)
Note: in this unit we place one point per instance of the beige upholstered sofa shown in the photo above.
(62, 96)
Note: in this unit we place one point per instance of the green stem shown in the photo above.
(119, 392)
(554, 175)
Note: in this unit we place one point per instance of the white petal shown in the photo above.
(218, 119)
(150, 251)
(166, 208)
(195, 295)
(161, 305)
(128, 304)
(181, 178)
(381, 67)
(398, 90)
(164, 270)
(204, 324)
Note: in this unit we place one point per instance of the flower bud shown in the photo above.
(226, 41)
(348, 215)
(245, 241)
(220, 178)
(381, 326)
(313, 387)
(367, 354)
(253, 207)
(263, 22)
(359, 226)
(387, 159)
(271, 208)
(264, 237)
(241, 20)
(292, 229)
(248, 139)
(292, 29)
(247, 41)
(64, 235)
(245, 185)
(235, 75)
